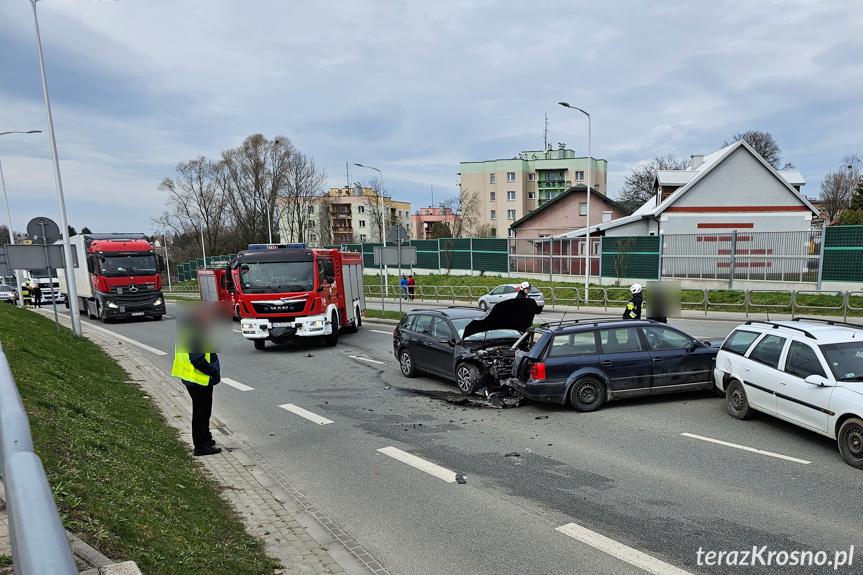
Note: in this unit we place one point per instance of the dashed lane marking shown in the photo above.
(379, 331)
(745, 448)
(126, 339)
(419, 463)
(236, 384)
(313, 417)
(616, 549)
(365, 359)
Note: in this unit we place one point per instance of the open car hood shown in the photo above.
(516, 313)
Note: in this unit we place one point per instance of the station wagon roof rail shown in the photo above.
(828, 322)
(778, 325)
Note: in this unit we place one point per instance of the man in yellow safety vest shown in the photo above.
(199, 370)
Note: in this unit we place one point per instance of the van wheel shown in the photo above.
(332, 339)
(736, 402)
(850, 439)
(406, 364)
(260, 343)
(587, 394)
(467, 378)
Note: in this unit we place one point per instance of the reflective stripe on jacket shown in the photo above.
(184, 369)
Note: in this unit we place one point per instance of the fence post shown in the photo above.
(659, 271)
(731, 265)
(821, 258)
(550, 259)
(470, 245)
(508, 254)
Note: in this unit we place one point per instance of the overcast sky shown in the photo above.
(412, 88)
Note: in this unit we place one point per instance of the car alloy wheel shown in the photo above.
(406, 363)
(466, 379)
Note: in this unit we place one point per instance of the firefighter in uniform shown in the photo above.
(633, 308)
(25, 293)
(199, 371)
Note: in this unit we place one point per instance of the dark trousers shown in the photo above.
(202, 409)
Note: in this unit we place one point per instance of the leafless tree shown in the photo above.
(196, 203)
(624, 246)
(765, 144)
(251, 177)
(324, 221)
(461, 213)
(638, 185)
(377, 202)
(485, 231)
(838, 188)
(301, 194)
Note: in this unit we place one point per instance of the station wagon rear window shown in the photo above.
(739, 341)
(581, 343)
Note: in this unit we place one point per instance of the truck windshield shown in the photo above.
(127, 265)
(278, 276)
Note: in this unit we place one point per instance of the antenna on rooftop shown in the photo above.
(432, 193)
(545, 134)
(347, 176)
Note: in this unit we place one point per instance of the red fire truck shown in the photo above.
(282, 291)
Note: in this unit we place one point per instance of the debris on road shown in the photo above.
(459, 478)
(513, 454)
(541, 417)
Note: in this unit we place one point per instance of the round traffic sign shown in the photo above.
(398, 234)
(43, 231)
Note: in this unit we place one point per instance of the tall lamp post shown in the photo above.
(71, 289)
(383, 222)
(9, 215)
(587, 227)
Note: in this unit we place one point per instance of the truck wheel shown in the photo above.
(260, 343)
(332, 339)
(850, 439)
(355, 325)
(103, 315)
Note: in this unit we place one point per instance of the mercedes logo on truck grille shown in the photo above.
(133, 288)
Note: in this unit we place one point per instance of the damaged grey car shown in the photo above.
(465, 345)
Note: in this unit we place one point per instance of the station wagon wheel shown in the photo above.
(736, 402)
(587, 394)
(467, 378)
(850, 439)
(406, 363)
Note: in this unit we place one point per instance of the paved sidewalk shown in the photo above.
(295, 532)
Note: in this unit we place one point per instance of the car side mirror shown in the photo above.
(817, 380)
(444, 340)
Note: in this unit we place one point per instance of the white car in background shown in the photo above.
(808, 372)
(8, 294)
(509, 291)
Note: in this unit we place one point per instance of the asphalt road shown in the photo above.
(647, 497)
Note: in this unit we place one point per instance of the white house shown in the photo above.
(731, 189)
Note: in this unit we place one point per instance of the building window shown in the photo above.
(493, 215)
(491, 178)
(510, 214)
(361, 209)
(582, 209)
(492, 196)
(311, 209)
(362, 223)
(579, 176)
(531, 195)
(362, 237)
(510, 196)
(531, 177)
(311, 223)
(511, 233)
(510, 177)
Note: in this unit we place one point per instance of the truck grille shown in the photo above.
(145, 295)
(262, 308)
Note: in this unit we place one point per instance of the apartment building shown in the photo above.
(341, 216)
(424, 220)
(511, 189)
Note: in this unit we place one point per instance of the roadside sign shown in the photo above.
(389, 256)
(45, 230)
(398, 235)
(33, 257)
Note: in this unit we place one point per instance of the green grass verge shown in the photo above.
(122, 478)
(376, 313)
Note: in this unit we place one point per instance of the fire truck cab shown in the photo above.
(284, 291)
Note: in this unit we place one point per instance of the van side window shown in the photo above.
(739, 341)
(768, 350)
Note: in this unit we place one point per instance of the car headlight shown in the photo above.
(158, 301)
(111, 305)
(317, 323)
(248, 326)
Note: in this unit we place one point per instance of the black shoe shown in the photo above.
(212, 442)
(209, 450)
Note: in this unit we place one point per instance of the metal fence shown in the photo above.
(552, 256)
(39, 543)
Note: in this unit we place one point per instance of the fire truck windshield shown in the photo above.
(278, 276)
(127, 265)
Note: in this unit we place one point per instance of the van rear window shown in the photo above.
(739, 341)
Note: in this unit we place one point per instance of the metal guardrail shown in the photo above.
(39, 543)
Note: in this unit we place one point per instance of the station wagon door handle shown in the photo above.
(657, 359)
(605, 362)
(782, 382)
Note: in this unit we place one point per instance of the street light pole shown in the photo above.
(18, 276)
(587, 227)
(71, 288)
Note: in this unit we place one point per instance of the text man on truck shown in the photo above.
(280, 292)
(118, 276)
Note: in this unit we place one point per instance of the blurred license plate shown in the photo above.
(282, 324)
(137, 313)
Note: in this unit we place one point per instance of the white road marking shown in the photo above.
(126, 339)
(379, 331)
(744, 448)
(419, 463)
(236, 384)
(365, 359)
(616, 549)
(238, 331)
(313, 417)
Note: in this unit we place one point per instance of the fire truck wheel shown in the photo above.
(355, 325)
(237, 312)
(260, 343)
(332, 339)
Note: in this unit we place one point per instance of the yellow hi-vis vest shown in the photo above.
(184, 369)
